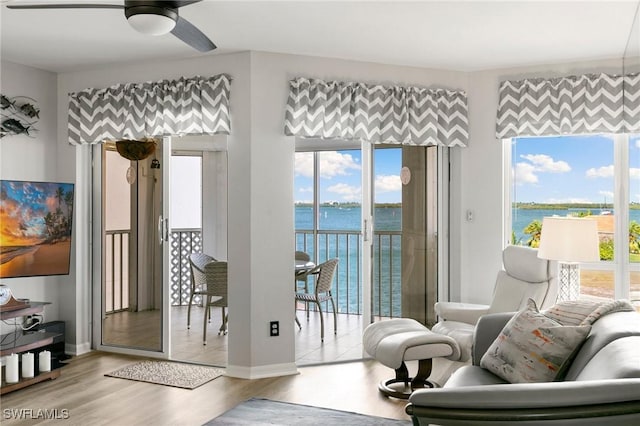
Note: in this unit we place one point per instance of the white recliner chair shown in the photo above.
(524, 276)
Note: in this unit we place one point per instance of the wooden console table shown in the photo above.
(23, 341)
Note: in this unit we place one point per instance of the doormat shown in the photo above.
(176, 374)
(266, 412)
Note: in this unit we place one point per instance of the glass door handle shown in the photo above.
(367, 232)
(163, 229)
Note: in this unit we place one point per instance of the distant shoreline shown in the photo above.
(519, 205)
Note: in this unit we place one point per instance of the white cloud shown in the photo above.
(638, 143)
(304, 164)
(545, 163)
(634, 173)
(527, 171)
(388, 183)
(332, 164)
(607, 194)
(348, 192)
(600, 172)
(524, 173)
(305, 189)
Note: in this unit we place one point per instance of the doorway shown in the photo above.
(198, 225)
(352, 203)
(141, 257)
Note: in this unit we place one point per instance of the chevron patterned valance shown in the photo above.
(198, 105)
(379, 114)
(582, 104)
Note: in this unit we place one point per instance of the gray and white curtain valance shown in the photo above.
(198, 105)
(584, 104)
(379, 114)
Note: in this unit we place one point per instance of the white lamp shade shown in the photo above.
(569, 239)
(151, 24)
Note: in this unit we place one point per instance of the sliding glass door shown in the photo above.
(353, 204)
(131, 250)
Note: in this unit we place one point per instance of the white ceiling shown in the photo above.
(455, 35)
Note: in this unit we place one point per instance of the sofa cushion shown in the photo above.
(471, 375)
(604, 331)
(533, 347)
(620, 359)
(585, 312)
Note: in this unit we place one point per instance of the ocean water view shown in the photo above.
(339, 236)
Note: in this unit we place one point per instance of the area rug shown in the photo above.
(255, 412)
(177, 374)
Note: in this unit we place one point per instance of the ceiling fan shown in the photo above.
(148, 17)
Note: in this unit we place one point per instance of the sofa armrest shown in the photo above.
(487, 330)
(461, 312)
(532, 402)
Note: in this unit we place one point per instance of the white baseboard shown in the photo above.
(76, 350)
(261, 371)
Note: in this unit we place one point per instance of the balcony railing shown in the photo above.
(344, 245)
(116, 270)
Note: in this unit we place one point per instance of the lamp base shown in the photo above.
(569, 281)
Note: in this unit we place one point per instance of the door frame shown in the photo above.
(97, 200)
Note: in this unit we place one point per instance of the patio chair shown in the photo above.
(209, 280)
(322, 291)
(302, 276)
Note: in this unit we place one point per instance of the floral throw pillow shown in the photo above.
(533, 347)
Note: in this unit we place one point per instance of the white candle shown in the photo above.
(44, 361)
(27, 365)
(12, 368)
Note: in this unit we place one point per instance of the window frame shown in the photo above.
(620, 265)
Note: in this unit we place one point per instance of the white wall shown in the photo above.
(33, 158)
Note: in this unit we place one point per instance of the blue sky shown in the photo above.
(341, 174)
(563, 169)
(566, 169)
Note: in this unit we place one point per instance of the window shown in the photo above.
(594, 175)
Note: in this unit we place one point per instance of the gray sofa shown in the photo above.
(601, 387)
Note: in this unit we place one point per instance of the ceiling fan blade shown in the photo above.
(184, 3)
(65, 6)
(195, 38)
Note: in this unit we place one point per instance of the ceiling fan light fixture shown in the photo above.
(151, 20)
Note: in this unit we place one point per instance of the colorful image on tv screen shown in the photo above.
(35, 228)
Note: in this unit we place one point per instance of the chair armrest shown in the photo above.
(487, 330)
(527, 401)
(461, 312)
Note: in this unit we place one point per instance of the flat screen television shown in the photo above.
(35, 228)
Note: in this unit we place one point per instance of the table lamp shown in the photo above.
(569, 240)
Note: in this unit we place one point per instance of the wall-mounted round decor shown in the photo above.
(405, 175)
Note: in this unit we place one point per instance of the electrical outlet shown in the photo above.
(274, 328)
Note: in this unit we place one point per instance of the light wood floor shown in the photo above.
(93, 399)
(186, 344)
(346, 345)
